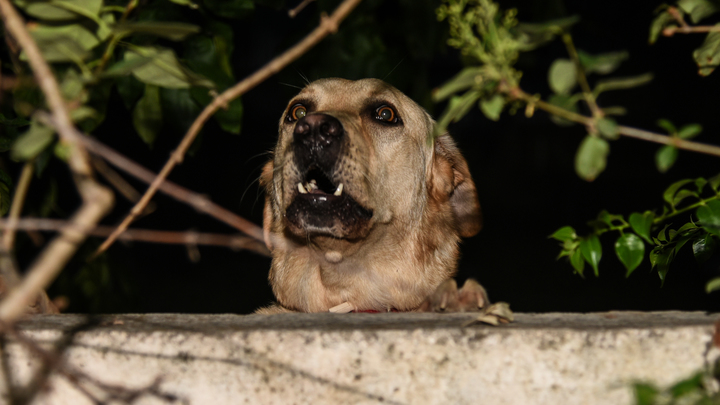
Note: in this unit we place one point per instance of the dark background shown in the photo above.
(523, 168)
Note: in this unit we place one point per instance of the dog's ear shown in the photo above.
(450, 180)
(266, 182)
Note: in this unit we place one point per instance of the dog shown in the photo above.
(365, 206)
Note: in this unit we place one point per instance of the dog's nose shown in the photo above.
(318, 138)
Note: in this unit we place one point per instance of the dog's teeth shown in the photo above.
(338, 192)
(311, 185)
(301, 189)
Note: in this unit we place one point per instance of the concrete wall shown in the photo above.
(391, 358)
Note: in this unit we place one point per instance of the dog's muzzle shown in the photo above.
(322, 203)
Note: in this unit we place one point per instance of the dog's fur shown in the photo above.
(392, 238)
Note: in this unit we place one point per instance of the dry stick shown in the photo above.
(327, 25)
(96, 199)
(622, 130)
(144, 235)
(294, 12)
(17, 204)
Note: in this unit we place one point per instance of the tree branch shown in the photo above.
(327, 26)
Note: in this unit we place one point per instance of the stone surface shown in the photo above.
(395, 358)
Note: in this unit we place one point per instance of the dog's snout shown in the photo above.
(317, 138)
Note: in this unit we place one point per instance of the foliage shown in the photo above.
(692, 390)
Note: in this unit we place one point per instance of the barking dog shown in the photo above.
(364, 209)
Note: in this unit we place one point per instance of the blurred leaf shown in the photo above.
(698, 9)
(576, 260)
(64, 43)
(603, 63)
(714, 182)
(566, 102)
(32, 142)
(468, 77)
(667, 125)
(630, 249)
(687, 386)
(645, 394)
(591, 157)
(712, 285)
(689, 131)
(707, 56)
(704, 248)
(147, 115)
(592, 252)
(700, 183)
(621, 83)
(179, 110)
(60, 9)
(457, 108)
(683, 194)
(82, 113)
(493, 106)
(608, 128)
(15, 122)
(174, 31)
(665, 157)
(233, 9)
(662, 262)
(663, 20)
(127, 66)
(187, 3)
(164, 70)
(641, 223)
(562, 76)
(566, 232)
(532, 35)
(6, 188)
(669, 194)
(709, 216)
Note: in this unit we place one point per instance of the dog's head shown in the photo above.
(359, 190)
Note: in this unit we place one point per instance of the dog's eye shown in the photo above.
(385, 113)
(296, 112)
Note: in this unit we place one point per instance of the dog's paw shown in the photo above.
(447, 298)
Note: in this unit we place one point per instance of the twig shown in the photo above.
(670, 31)
(294, 12)
(327, 25)
(17, 203)
(144, 235)
(581, 78)
(96, 199)
(622, 130)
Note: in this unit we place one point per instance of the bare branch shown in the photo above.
(96, 199)
(17, 204)
(143, 235)
(327, 26)
(294, 12)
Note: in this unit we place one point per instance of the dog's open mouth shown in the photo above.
(325, 207)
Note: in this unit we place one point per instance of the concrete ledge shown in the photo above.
(395, 358)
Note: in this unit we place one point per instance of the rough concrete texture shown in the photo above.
(395, 358)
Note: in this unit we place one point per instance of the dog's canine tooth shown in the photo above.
(338, 191)
(311, 185)
(301, 189)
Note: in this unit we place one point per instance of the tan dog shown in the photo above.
(364, 210)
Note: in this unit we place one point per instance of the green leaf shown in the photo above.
(707, 56)
(6, 186)
(32, 142)
(457, 107)
(562, 76)
(663, 20)
(564, 233)
(700, 183)
(630, 249)
(64, 43)
(164, 70)
(689, 131)
(174, 31)
(709, 216)
(187, 3)
(233, 9)
(493, 106)
(127, 66)
(688, 386)
(592, 252)
(641, 223)
(147, 115)
(591, 157)
(603, 63)
(683, 194)
(712, 285)
(669, 194)
(576, 260)
(662, 262)
(532, 35)
(645, 394)
(714, 182)
(468, 77)
(665, 158)
(704, 248)
(566, 102)
(622, 83)
(667, 125)
(698, 9)
(58, 10)
(608, 128)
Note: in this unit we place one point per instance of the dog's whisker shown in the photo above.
(291, 85)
